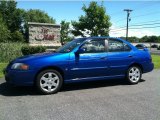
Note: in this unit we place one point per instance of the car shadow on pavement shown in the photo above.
(94, 84)
(8, 90)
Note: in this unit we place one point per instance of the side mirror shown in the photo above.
(80, 50)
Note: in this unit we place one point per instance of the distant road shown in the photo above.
(147, 44)
(155, 51)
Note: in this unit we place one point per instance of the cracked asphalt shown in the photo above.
(98, 100)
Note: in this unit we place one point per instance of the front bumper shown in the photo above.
(19, 77)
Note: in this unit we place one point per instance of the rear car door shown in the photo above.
(120, 56)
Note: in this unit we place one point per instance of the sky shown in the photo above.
(145, 17)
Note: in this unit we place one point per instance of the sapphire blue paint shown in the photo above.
(80, 67)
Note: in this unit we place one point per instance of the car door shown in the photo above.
(91, 62)
(120, 56)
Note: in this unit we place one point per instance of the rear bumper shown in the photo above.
(148, 68)
(19, 77)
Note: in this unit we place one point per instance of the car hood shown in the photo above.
(35, 57)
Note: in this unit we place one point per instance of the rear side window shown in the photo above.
(126, 47)
(117, 46)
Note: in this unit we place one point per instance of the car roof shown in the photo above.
(105, 37)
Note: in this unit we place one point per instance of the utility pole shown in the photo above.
(128, 19)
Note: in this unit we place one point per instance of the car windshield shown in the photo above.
(70, 46)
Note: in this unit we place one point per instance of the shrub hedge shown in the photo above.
(27, 50)
(10, 51)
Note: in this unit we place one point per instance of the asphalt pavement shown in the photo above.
(98, 100)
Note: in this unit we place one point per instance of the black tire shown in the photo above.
(135, 78)
(39, 80)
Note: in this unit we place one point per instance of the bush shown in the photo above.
(27, 50)
(10, 51)
(17, 37)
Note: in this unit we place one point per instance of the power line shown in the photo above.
(135, 9)
(135, 28)
(145, 27)
(139, 25)
(145, 24)
(155, 3)
(148, 21)
(142, 15)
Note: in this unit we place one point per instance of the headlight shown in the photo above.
(20, 66)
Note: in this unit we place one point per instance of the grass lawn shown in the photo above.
(2, 66)
(155, 59)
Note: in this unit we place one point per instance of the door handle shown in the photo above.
(130, 56)
(103, 58)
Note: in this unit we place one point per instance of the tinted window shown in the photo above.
(70, 46)
(126, 47)
(115, 46)
(94, 46)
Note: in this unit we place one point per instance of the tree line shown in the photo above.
(152, 39)
(94, 22)
(13, 21)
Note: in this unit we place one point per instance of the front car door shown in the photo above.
(90, 63)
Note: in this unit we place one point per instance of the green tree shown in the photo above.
(64, 31)
(4, 32)
(95, 21)
(11, 15)
(153, 39)
(133, 39)
(159, 39)
(16, 20)
(13, 19)
(36, 15)
(144, 39)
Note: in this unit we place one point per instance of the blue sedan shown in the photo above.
(83, 59)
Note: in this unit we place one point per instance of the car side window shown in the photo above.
(94, 46)
(126, 47)
(115, 46)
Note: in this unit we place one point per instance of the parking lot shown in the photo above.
(155, 51)
(98, 100)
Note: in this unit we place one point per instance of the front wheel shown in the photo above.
(49, 81)
(134, 74)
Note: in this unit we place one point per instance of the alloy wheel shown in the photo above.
(134, 74)
(49, 81)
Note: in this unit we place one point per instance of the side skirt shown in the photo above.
(94, 78)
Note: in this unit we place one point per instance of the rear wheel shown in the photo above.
(134, 74)
(49, 81)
